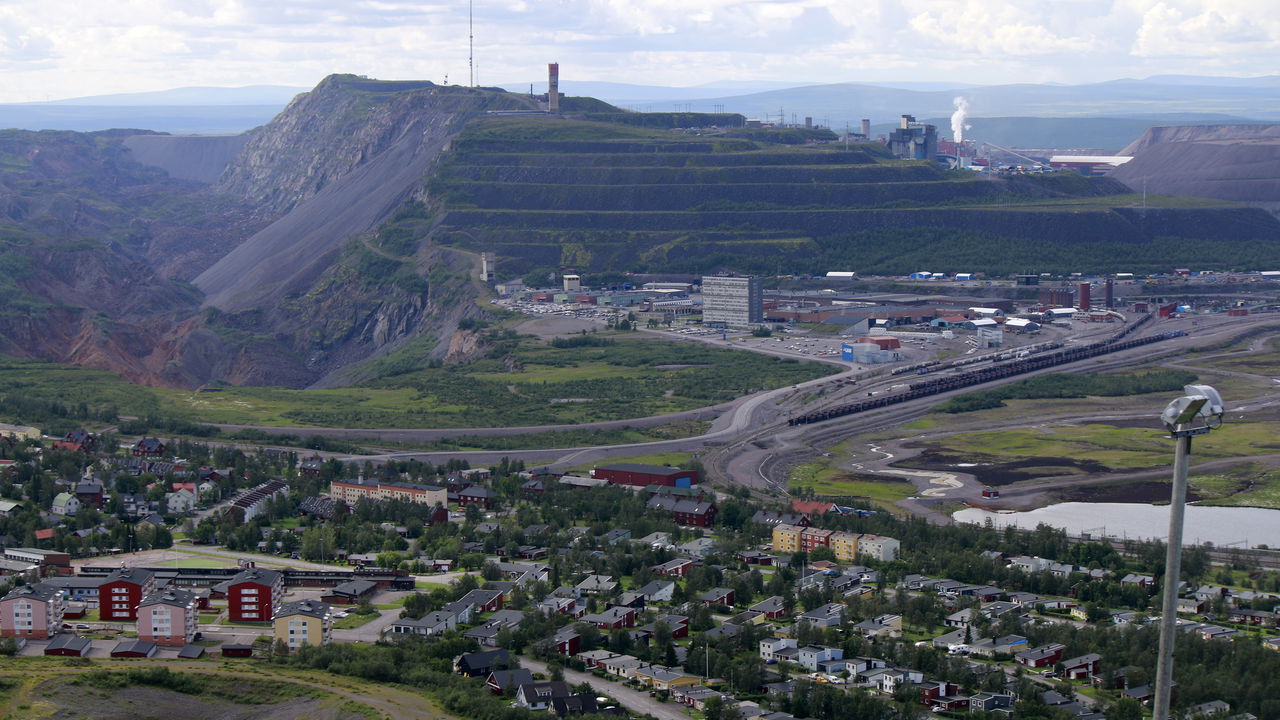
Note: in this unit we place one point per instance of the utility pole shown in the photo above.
(1200, 402)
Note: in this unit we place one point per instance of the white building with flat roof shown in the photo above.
(732, 301)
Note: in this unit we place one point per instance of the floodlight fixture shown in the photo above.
(1179, 413)
(1214, 409)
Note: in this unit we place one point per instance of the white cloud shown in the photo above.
(1204, 30)
(67, 48)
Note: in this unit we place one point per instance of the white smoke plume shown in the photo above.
(958, 117)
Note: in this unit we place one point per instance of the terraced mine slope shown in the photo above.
(543, 192)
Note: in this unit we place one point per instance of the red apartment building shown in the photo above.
(120, 595)
(254, 595)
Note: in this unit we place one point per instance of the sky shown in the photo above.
(54, 49)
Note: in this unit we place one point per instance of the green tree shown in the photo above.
(1125, 709)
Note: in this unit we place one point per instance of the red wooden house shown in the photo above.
(77, 441)
(476, 495)
(567, 641)
(613, 618)
(674, 568)
(148, 447)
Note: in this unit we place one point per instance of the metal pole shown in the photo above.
(1172, 574)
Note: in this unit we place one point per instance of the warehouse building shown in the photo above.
(644, 475)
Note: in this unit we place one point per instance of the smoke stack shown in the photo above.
(553, 87)
(866, 127)
(1111, 293)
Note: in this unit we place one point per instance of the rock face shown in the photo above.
(278, 227)
(338, 161)
(1228, 162)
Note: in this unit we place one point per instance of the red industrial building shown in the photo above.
(253, 595)
(1083, 303)
(644, 475)
(885, 343)
(123, 590)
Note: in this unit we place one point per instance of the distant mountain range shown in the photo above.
(1098, 115)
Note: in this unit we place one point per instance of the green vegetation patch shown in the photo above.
(1069, 385)
(566, 438)
(247, 691)
(1093, 448)
(818, 478)
(1246, 486)
(1266, 364)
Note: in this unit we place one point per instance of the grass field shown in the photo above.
(354, 621)
(1119, 448)
(39, 688)
(525, 382)
(1267, 364)
(670, 459)
(1246, 486)
(826, 480)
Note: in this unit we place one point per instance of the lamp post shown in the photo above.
(1195, 413)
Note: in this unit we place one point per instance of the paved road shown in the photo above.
(635, 700)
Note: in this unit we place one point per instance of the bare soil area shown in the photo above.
(142, 558)
(73, 702)
(553, 326)
(1001, 473)
(1132, 492)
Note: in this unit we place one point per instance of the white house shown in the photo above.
(180, 502)
(65, 504)
(810, 656)
(769, 647)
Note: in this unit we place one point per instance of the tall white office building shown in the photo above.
(732, 301)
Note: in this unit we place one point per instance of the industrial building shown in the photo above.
(868, 353)
(644, 475)
(732, 301)
(914, 140)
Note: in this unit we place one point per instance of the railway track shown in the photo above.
(987, 374)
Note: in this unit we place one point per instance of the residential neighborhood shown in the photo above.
(647, 588)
